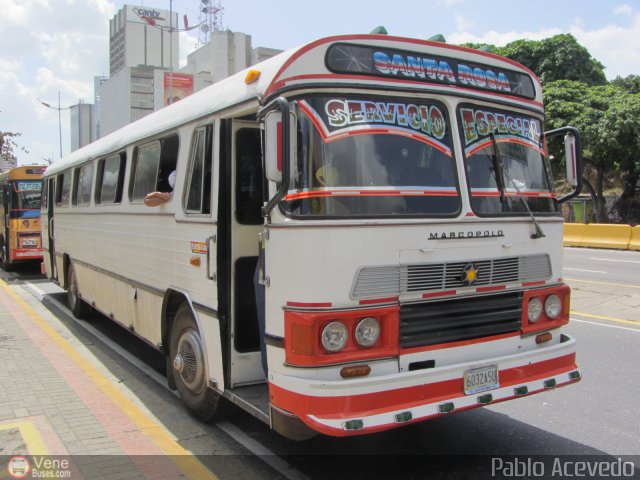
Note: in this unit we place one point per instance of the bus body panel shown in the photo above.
(424, 278)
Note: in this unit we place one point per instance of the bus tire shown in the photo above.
(77, 306)
(188, 369)
(4, 257)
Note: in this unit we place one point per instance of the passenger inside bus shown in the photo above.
(154, 199)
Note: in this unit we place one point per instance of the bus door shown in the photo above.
(48, 228)
(245, 223)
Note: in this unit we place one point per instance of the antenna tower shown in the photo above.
(210, 19)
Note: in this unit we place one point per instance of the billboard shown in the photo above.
(176, 87)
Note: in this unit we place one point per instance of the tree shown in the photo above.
(8, 147)
(560, 57)
(630, 83)
(608, 118)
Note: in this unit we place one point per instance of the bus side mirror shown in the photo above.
(570, 159)
(274, 141)
(6, 193)
(572, 156)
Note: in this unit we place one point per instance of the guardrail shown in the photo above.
(596, 235)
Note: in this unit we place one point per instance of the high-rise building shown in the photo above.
(143, 36)
(144, 43)
(226, 53)
(82, 125)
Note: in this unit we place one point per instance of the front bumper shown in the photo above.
(366, 405)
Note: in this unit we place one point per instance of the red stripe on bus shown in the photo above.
(491, 289)
(310, 304)
(368, 404)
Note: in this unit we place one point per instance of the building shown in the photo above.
(143, 36)
(82, 125)
(226, 53)
(143, 64)
(97, 103)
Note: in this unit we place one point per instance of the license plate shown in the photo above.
(30, 243)
(481, 379)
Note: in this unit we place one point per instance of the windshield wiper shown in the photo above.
(538, 233)
(498, 167)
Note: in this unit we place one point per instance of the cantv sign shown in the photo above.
(149, 15)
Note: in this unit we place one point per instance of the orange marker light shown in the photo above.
(252, 76)
(543, 338)
(357, 371)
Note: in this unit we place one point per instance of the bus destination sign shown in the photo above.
(343, 58)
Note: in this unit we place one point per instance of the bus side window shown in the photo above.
(110, 179)
(168, 162)
(198, 192)
(153, 163)
(146, 161)
(83, 184)
(63, 188)
(45, 195)
(248, 177)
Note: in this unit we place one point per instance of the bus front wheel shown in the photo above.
(4, 257)
(77, 306)
(186, 357)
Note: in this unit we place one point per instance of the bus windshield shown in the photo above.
(372, 157)
(505, 162)
(26, 195)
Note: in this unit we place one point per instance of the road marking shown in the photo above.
(262, 452)
(608, 319)
(259, 450)
(182, 458)
(612, 260)
(605, 325)
(602, 283)
(31, 436)
(581, 270)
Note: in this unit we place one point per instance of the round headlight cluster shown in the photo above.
(335, 335)
(367, 332)
(552, 306)
(534, 310)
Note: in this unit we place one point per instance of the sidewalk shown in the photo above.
(62, 415)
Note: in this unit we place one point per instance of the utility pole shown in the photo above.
(59, 109)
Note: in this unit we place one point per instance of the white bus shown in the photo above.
(392, 196)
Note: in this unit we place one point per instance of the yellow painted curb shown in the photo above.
(184, 459)
(31, 436)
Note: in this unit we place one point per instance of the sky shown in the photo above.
(57, 46)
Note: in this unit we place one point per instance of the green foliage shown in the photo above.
(630, 83)
(560, 57)
(608, 117)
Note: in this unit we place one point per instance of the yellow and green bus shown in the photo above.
(20, 238)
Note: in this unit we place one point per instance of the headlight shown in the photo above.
(367, 332)
(534, 310)
(334, 337)
(553, 306)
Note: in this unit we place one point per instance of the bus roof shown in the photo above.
(29, 172)
(359, 61)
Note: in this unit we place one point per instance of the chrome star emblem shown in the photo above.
(469, 274)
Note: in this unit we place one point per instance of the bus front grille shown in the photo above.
(393, 280)
(459, 319)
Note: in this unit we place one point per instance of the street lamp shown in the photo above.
(59, 109)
